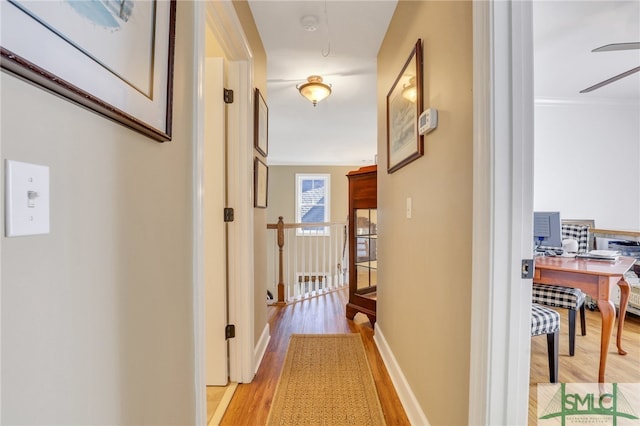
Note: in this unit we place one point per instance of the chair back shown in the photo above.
(578, 232)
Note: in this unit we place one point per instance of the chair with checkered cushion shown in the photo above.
(572, 299)
(567, 298)
(547, 321)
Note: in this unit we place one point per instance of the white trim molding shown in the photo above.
(261, 347)
(226, 27)
(503, 204)
(408, 399)
(221, 17)
(198, 221)
(482, 210)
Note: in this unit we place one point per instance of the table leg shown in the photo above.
(624, 300)
(608, 313)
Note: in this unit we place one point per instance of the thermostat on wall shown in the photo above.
(428, 121)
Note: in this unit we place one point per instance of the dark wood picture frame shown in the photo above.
(261, 124)
(260, 183)
(404, 106)
(73, 73)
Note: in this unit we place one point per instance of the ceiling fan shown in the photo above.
(610, 48)
(352, 73)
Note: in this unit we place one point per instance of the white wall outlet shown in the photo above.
(26, 199)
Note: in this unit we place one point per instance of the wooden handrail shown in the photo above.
(302, 225)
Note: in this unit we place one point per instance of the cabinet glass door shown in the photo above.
(366, 257)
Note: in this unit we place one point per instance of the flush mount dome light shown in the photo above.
(314, 89)
(309, 23)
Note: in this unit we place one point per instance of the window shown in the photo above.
(312, 203)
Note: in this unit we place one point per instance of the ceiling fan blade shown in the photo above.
(353, 73)
(283, 80)
(617, 46)
(610, 80)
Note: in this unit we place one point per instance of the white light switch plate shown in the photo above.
(26, 199)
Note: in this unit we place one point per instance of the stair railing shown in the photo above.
(306, 259)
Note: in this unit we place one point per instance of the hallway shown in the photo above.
(319, 315)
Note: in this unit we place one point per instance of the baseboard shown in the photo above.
(407, 398)
(261, 348)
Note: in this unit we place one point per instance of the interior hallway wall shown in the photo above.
(97, 317)
(424, 263)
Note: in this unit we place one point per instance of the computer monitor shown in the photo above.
(547, 230)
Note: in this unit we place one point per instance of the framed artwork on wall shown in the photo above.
(261, 124)
(260, 182)
(115, 58)
(404, 106)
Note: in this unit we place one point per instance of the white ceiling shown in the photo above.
(342, 129)
(565, 32)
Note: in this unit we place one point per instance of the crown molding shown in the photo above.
(587, 101)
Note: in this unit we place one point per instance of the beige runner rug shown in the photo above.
(326, 380)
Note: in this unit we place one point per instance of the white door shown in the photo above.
(214, 233)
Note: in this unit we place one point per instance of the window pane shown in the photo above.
(314, 214)
(312, 201)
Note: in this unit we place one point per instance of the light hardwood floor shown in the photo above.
(583, 366)
(214, 396)
(218, 398)
(326, 314)
(323, 314)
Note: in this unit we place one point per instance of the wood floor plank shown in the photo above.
(583, 366)
(323, 314)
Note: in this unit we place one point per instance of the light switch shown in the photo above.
(408, 207)
(26, 199)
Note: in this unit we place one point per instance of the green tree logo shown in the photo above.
(566, 404)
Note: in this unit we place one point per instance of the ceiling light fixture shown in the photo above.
(314, 89)
(309, 23)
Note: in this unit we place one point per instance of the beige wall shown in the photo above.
(97, 319)
(424, 290)
(260, 215)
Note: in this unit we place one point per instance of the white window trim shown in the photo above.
(325, 232)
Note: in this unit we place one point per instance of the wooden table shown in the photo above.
(597, 279)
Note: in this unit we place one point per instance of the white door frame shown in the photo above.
(503, 203)
(221, 18)
(199, 337)
(226, 27)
